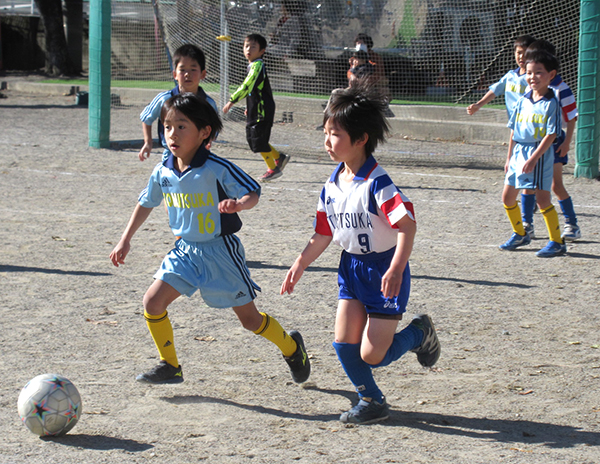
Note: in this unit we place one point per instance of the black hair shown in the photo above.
(549, 61)
(197, 110)
(259, 39)
(359, 110)
(190, 51)
(524, 41)
(541, 44)
(366, 39)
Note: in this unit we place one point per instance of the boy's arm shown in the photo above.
(564, 147)
(147, 147)
(230, 206)
(246, 87)
(542, 148)
(138, 217)
(316, 246)
(488, 97)
(391, 282)
(511, 146)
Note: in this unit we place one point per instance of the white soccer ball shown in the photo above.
(49, 405)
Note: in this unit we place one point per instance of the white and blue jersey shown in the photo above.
(512, 86)
(152, 112)
(361, 217)
(192, 197)
(530, 122)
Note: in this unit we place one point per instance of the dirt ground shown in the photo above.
(517, 381)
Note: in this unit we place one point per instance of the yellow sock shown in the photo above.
(270, 157)
(161, 331)
(514, 216)
(552, 223)
(272, 331)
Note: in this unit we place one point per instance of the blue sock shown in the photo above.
(527, 207)
(568, 211)
(358, 371)
(407, 339)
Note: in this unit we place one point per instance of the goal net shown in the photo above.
(440, 53)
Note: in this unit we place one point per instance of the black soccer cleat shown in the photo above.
(429, 351)
(162, 373)
(298, 362)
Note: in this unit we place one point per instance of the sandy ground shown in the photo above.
(519, 373)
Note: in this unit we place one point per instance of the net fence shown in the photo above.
(432, 57)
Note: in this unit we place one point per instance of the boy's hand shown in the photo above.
(529, 165)
(563, 149)
(291, 278)
(145, 151)
(472, 109)
(391, 283)
(227, 107)
(229, 206)
(119, 253)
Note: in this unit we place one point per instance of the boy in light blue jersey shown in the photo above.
(190, 69)
(534, 123)
(513, 83)
(203, 194)
(565, 97)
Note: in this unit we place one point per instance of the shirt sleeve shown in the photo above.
(152, 112)
(321, 223)
(567, 103)
(392, 202)
(553, 125)
(499, 87)
(248, 84)
(152, 195)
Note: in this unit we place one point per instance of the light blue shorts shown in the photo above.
(541, 176)
(359, 278)
(217, 268)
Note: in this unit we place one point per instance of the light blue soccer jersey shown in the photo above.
(532, 121)
(152, 112)
(512, 86)
(192, 197)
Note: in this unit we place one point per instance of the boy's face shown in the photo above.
(188, 74)
(520, 56)
(183, 137)
(538, 77)
(252, 50)
(338, 144)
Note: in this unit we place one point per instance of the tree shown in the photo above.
(58, 61)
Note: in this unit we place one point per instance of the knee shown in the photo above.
(372, 357)
(153, 306)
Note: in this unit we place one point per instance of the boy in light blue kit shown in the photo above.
(534, 123)
(203, 194)
(512, 85)
(362, 210)
(190, 69)
(568, 106)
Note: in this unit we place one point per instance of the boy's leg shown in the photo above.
(350, 322)
(519, 236)
(380, 349)
(270, 157)
(156, 300)
(572, 231)
(528, 208)
(291, 345)
(555, 246)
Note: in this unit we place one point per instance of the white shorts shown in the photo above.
(217, 268)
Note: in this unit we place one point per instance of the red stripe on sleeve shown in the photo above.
(322, 225)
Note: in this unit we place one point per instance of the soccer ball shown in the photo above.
(49, 405)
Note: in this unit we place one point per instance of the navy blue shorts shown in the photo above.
(359, 278)
(557, 143)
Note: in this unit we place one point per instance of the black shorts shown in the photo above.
(258, 136)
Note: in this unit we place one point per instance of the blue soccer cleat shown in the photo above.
(552, 249)
(515, 241)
